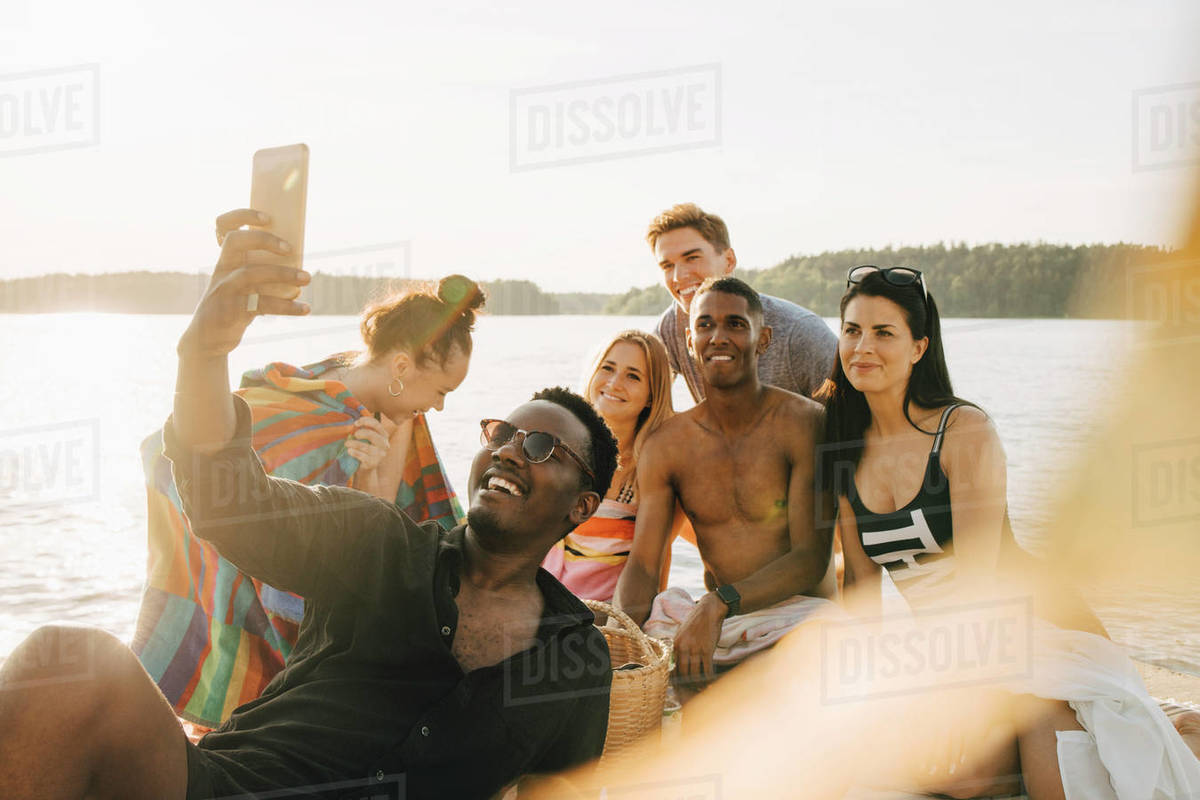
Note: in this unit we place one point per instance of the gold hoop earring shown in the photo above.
(397, 393)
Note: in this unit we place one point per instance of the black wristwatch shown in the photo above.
(730, 597)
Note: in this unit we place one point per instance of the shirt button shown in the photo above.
(424, 730)
(445, 630)
(379, 776)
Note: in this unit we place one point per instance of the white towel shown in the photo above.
(1144, 755)
(1129, 749)
(743, 635)
(1084, 774)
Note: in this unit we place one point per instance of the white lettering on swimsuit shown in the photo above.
(918, 530)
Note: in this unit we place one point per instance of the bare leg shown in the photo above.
(1038, 743)
(80, 718)
(1021, 742)
(1188, 725)
(994, 769)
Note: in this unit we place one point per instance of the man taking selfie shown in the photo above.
(447, 663)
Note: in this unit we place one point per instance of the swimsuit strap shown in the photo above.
(941, 431)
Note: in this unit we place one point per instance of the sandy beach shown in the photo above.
(1167, 684)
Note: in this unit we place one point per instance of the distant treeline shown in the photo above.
(178, 293)
(992, 280)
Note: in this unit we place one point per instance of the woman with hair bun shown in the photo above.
(211, 636)
(418, 344)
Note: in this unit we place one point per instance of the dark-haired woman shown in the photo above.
(211, 636)
(920, 481)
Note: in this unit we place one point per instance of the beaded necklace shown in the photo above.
(628, 486)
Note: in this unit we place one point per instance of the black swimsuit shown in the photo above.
(914, 543)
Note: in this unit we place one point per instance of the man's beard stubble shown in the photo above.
(485, 524)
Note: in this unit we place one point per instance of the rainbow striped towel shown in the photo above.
(211, 636)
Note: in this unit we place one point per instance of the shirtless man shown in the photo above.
(741, 464)
(446, 657)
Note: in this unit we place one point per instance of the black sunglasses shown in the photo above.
(896, 276)
(536, 446)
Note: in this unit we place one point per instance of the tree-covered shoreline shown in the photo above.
(990, 280)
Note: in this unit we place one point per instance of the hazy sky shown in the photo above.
(817, 126)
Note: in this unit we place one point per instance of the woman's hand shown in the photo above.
(369, 442)
(381, 448)
(223, 314)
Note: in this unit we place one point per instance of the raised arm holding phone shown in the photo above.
(204, 417)
(354, 419)
(445, 660)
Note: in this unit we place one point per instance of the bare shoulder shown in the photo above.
(670, 434)
(789, 407)
(681, 423)
(970, 431)
(968, 421)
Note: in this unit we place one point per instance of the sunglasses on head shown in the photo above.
(536, 446)
(896, 276)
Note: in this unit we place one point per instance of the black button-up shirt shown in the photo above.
(371, 687)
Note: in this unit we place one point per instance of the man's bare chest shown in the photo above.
(488, 633)
(722, 479)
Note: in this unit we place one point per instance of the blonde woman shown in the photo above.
(630, 385)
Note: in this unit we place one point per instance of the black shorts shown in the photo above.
(218, 775)
(207, 778)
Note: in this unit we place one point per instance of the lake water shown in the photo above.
(82, 390)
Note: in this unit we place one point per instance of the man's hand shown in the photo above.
(204, 416)
(696, 641)
(221, 317)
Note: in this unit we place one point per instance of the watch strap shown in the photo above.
(730, 597)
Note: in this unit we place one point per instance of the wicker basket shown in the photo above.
(638, 695)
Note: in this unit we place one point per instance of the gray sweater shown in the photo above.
(798, 359)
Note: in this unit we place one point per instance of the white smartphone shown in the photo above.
(279, 187)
